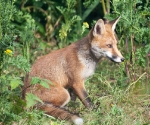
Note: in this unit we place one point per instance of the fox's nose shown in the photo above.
(122, 59)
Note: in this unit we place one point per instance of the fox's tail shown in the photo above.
(60, 113)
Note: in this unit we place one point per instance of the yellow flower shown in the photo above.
(111, 105)
(86, 24)
(8, 52)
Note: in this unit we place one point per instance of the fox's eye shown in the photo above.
(109, 45)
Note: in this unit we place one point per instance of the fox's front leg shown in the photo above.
(82, 94)
(72, 94)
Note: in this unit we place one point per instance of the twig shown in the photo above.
(37, 8)
(57, 22)
(135, 81)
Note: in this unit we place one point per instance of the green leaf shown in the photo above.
(35, 80)
(44, 84)
(32, 100)
(14, 83)
(90, 8)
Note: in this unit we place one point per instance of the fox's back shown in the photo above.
(56, 66)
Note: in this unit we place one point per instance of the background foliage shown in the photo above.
(30, 28)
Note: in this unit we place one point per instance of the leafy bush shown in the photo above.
(31, 28)
(14, 60)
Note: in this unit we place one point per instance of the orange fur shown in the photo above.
(69, 67)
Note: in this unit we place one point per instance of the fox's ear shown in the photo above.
(114, 22)
(99, 28)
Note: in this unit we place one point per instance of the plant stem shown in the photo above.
(79, 11)
(103, 6)
(147, 77)
(108, 6)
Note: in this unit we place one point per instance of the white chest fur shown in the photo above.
(89, 66)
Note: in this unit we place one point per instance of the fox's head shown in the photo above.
(104, 42)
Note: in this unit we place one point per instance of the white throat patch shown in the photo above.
(89, 66)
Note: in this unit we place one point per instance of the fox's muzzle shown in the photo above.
(115, 58)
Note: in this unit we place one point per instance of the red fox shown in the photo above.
(69, 67)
